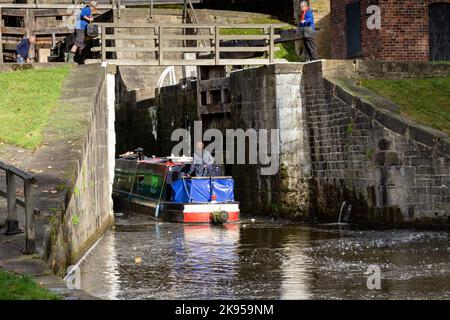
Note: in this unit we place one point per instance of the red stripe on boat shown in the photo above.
(205, 217)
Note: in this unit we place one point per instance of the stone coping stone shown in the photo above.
(6, 67)
(378, 69)
(385, 112)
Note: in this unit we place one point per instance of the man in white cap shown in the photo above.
(84, 18)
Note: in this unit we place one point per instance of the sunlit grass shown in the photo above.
(22, 287)
(426, 101)
(27, 97)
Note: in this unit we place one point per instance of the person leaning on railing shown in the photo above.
(84, 18)
(23, 49)
(308, 27)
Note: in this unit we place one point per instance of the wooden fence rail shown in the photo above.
(12, 223)
(207, 41)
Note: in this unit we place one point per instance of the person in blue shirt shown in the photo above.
(83, 19)
(23, 48)
(307, 22)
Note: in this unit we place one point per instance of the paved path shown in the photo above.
(46, 195)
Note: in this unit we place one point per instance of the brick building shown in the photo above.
(411, 30)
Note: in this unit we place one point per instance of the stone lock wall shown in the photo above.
(269, 98)
(338, 152)
(390, 170)
(177, 109)
(81, 211)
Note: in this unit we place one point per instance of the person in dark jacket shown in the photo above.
(23, 48)
(307, 22)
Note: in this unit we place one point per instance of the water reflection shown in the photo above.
(101, 275)
(266, 261)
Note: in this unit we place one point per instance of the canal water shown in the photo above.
(263, 259)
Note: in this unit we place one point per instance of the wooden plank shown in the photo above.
(51, 6)
(13, 30)
(30, 234)
(1, 36)
(217, 45)
(191, 25)
(19, 202)
(125, 49)
(244, 49)
(272, 45)
(160, 46)
(129, 37)
(188, 37)
(198, 62)
(132, 62)
(51, 13)
(243, 62)
(9, 46)
(103, 44)
(247, 37)
(45, 31)
(188, 49)
(11, 196)
(13, 12)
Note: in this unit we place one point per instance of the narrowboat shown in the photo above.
(163, 189)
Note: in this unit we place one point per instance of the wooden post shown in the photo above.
(151, 9)
(30, 242)
(1, 39)
(103, 39)
(160, 45)
(12, 224)
(272, 45)
(217, 44)
(114, 9)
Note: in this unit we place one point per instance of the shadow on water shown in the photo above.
(264, 260)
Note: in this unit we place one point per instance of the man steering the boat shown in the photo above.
(203, 161)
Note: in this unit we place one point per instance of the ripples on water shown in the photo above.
(266, 260)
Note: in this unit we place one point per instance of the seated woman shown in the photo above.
(203, 161)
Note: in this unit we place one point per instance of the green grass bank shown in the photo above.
(426, 101)
(27, 97)
(22, 287)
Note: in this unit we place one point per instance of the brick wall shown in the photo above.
(404, 34)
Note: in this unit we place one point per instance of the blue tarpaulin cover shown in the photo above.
(200, 190)
(223, 188)
(179, 192)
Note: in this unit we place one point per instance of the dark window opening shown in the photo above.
(439, 31)
(353, 29)
(203, 98)
(216, 97)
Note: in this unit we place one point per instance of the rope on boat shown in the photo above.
(134, 179)
(160, 195)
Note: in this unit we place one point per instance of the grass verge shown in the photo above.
(27, 97)
(426, 101)
(22, 287)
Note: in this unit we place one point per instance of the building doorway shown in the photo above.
(439, 31)
(353, 29)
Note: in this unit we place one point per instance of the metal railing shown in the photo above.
(159, 39)
(12, 223)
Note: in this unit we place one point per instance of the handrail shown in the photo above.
(193, 25)
(18, 172)
(12, 223)
(215, 51)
